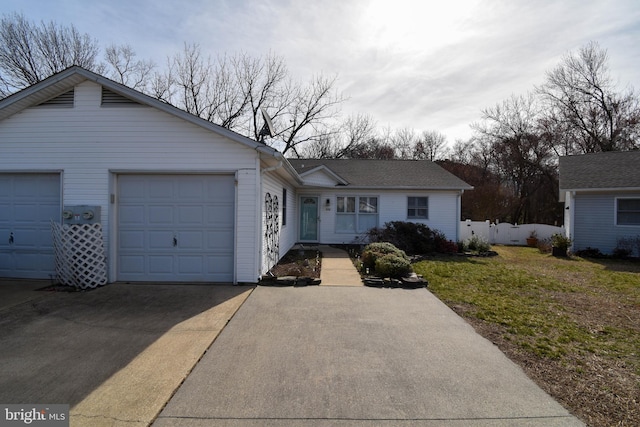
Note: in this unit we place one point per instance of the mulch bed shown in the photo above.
(297, 268)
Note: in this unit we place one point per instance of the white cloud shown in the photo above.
(409, 63)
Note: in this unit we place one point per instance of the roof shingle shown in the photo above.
(370, 173)
(618, 169)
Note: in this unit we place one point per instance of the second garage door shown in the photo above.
(176, 228)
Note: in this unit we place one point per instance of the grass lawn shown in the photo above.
(572, 324)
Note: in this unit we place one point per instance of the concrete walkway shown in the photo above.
(337, 268)
(356, 356)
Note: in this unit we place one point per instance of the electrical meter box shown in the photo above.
(81, 214)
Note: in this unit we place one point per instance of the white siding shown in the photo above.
(88, 142)
(392, 206)
(319, 178)
(288, 233)
(595, 222)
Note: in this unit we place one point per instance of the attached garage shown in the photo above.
(180, 199)
(28, 204)
(176, 228)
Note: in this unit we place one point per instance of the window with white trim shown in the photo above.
(418, 208)
(356, 214)
(628, 212)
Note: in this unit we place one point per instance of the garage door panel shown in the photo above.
(162, 214)
(132, 264)
(224, 190)
(161, 188)
(132, 215)
(191, 189)
(5, 211)
(35, 213)
(133, 239)
(220, 214)
(159, 264)
(191, 264)
(191, 240)
(160, 240)
(28, 238)
(219, 266)
(190, 214)
(214, 237)
(196, 210)
(134, 190)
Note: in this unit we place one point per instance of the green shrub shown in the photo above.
(376, 250)
(626, 246)
(590, 252)
(560, 241)
(391, 265)
(477, 244)
(413, 238)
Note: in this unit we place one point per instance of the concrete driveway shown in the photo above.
(355, 356)
(115, 354)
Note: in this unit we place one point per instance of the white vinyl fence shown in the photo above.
(505, 233)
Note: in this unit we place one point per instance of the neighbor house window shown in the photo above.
(356, 214)
(418, 208)
(628, 212)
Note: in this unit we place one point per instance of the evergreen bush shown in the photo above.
(393, 266)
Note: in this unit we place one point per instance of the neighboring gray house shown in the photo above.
(601, 193)
(180, 199)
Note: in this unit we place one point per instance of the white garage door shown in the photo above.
(28, 203)
(176, 228)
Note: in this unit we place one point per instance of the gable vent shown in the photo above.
(65, 101)
(115, 99)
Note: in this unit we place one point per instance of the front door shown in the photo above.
(309, 219)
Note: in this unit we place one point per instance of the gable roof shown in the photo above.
(391, 174)
(66, 80)
(600, 171)
(322, 169)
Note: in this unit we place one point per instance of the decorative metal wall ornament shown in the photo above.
(271, 230)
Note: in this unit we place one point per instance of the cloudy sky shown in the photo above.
(422, 64)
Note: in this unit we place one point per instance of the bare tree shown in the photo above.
(127, 70)
(312, 109)
(583, 105)
(357, 130)
(30, 53)
(403, 141)
(517, 153)
(430, 146)
(232, 91)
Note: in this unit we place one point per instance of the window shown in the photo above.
(356, 214)
(418, 208)
(284, 206)
(628, 212)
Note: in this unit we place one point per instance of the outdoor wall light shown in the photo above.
(327, 204)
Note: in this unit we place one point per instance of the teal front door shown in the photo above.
(309, 219)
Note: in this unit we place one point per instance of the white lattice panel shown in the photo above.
(79, 255)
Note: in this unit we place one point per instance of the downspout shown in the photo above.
(459, 214)
(572, 217)
(258, 219)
